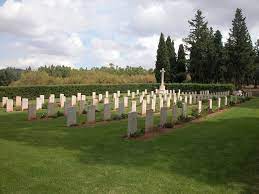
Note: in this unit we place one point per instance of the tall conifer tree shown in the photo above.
(172, 58)
(181, 65)
(162, 60)
(239, 50)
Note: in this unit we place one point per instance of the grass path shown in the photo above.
(218, 155)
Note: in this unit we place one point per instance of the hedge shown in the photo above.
(34, 91)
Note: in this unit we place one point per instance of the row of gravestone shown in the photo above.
(23, 103)
(149, 119)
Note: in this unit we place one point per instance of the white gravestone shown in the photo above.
(18, 101)
(132, 123)
(25, 104)
(9, 105)
(71, 116)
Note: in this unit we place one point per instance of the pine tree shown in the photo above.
(220, 67)
(239, 50)
(181, 65)
(172, 58)
(162, 60)
(197, 43)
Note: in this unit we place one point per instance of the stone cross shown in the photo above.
(162, 76)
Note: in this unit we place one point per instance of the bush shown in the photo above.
(32, 92)
(195, 113)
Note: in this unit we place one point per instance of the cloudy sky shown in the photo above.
(87, 33)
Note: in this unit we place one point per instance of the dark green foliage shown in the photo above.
(198, 41)
(162, 60)
(172, 59)
(32, 92)
(60, 114)
(239, 50)
(181, 65)
(169, 125)
(8, 75)
(219, 68)
(195, 113)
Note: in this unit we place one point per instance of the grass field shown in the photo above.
(218, 155)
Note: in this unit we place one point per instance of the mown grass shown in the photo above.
(219, 155)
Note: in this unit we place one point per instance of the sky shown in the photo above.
(89, 33)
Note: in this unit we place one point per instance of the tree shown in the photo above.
(162, 60)
(9, 75)
(220, 68)
(172, 58)
(181, 65)
(197, 44)
(256, 74)
(239, 50)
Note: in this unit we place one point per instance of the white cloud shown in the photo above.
(38, 32)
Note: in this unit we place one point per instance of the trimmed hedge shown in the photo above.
(32, 92)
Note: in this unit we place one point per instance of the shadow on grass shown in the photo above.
(221, 150)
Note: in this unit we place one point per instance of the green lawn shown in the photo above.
(219, 155)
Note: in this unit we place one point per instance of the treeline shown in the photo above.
(8, 75)
(209, 60)
(58, 75)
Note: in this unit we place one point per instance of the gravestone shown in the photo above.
(52, 98)
(91, 114)
(93, 95)
(210, 104)
(107, 112)
(18, 101)
(133, 106)
(199, 106)
(133, 95)
(9, 105)
(126, 102)
(174, 114)
(66, 106)
(42, 97)
(116, 103)
(219, 103)
(4, 101)
(153, 104)
(73, 100)
(71, 116)
(25, 104)
(161, 105)
(163, 116)
(62, 101)
(148, 99)
(226, 100)
(100, 97)
(38, 104)
(83, 97)
(121, 108)
(132, 123)
(95, 102)
(32, 112)
(106, 100)
(106, 94)
(144, 107)
(51, 109)
(149, 121)
(184, 110)
(79, 96)
(128, 93)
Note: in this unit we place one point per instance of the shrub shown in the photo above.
(60, 114)
(32, 92)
